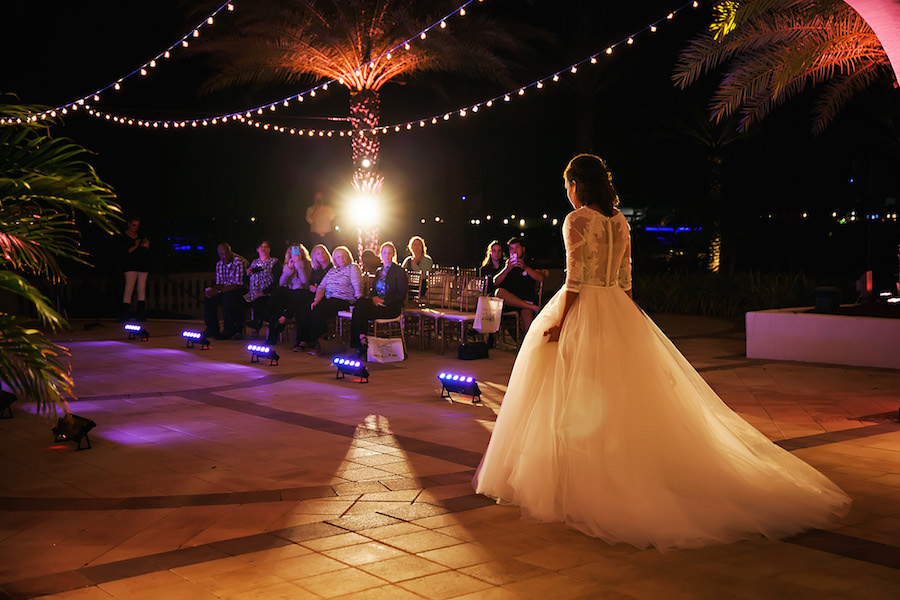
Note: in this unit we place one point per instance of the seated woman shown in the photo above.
(262, 284)
(370, 262)
(517, 282)
(339, 289)
(321, 264)
(418, 259)
(386, 301)
(493, 264)
(292, 292)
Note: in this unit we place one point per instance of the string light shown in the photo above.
(243, 116)
(141, 70)
(555, 77)
(460, 11)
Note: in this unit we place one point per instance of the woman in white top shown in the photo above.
(607, 427)
(418, 260)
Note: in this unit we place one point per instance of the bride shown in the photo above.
(607, 427)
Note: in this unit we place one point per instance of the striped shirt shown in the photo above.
(344, 283)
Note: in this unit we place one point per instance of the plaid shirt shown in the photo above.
(231, 273)
(260, 281)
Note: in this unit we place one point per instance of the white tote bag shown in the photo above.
(487, 314)
(385, 350)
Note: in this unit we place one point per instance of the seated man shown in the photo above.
(516, 283)
(228, 290)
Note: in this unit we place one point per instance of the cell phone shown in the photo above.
(295, 250)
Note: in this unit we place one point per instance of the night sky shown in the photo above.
(206, 185)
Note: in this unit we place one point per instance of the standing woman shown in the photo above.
(135, 250)
(607, 427)
(262, 283)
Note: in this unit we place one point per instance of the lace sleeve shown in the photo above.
(624, 276)
(573, 236)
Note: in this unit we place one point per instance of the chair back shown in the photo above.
(414, 290)
(437, 287)
(471, 287)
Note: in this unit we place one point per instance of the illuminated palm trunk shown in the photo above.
(365, 109)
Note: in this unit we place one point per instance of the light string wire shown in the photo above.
(116, 85)
(244, 114)
(247, 118)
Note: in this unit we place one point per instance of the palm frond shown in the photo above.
(290, 42)
(33, 367)
(18, 285)
(55, 173)
(837, 92)
(770, 51)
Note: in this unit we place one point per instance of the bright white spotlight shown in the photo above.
(364, 208)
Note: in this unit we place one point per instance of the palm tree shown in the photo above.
(296, 42)
(44, 183)
(771, 50)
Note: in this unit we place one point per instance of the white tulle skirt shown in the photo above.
(612, 431)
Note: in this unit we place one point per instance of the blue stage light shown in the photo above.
(195, 337)
(136, 331)
(351, 366)
(461, 384)
(258, 351)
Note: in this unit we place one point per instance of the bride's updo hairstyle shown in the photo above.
(594, 182)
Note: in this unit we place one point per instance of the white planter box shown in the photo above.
(793, 334)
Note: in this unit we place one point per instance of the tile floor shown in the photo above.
(211, 477)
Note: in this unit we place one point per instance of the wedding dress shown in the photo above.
(612, 431)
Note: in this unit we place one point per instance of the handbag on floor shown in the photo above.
(330, 344)
(385, 350)
(487, 314)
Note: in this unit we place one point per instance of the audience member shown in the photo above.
(292, 291)
(319, 216)
(385, 302)
(321, 264)
(262, 284)
(492, 264)
(418, 260)
(228, 290)
(516, 283)
(369, 262)
(136, 266)
(339, 289)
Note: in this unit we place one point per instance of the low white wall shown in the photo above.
(791, 334)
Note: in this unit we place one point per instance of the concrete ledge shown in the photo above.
(793, 334)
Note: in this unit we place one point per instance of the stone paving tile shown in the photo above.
(273, 476)
(447, 584)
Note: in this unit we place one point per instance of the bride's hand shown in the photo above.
(553, 332)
